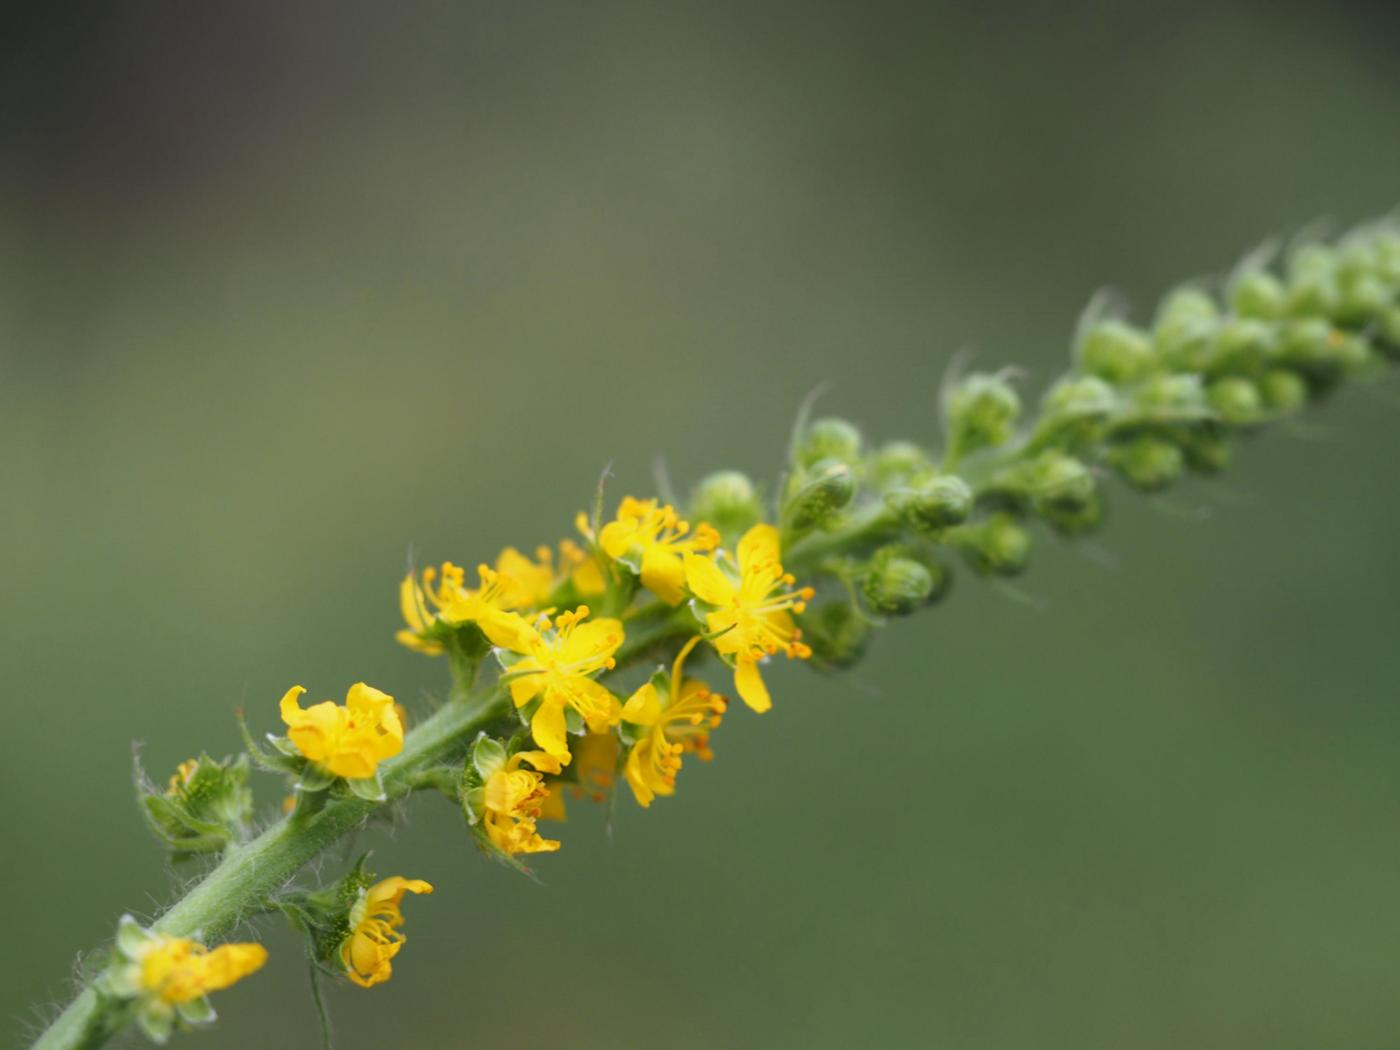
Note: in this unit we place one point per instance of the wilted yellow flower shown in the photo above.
(680, 724)
(374, 937)
(178, 970)
(557, 666)
(751, 619)
(651, 538)
(513, 799)
(350, 740)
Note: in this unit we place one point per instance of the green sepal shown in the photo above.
(488, 756)
(197, 1011)
(371, 789)
(279, 761)
(573, 722)
(131, 937)
(473, 804)
(314, 777)
(284, 746)
(156, 1020)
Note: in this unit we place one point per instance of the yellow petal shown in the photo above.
(291, 710)
(759, 543)
(706, 581)
(643, 707)
(550, 730)
(592, 638)
(750, 685)
(663, 573)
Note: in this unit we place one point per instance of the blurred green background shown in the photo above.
(285, 289)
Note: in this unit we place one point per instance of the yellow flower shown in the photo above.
(374, 937)
(184, 773)
(557, 666)
(651, 539)
(513, 799)
(751, 618)
(177, 970)
(681, 724)
(516, 583)
(595, 769)
(350, 740)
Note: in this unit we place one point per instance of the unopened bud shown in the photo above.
(937, 504)
(1115, 351)
(837, 633)
(1258, 294)
(1243, 344)
(1184, 334)
(1236, 400)
(1147, 462)
(1206, 448)
(997, 546)
(981, 411)
(1283, 391)
(829, 439)
(1312, 294)
(817, 493)
(728, 501)
(1077, 408)
(1363, 298)
(896, 584)
(1059, 484)
(900, 463)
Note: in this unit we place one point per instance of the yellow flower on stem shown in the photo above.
(513, 799)
(680, 724)
(751, 618)
(652, 539)
(347, 740)
(375, 938)
(557, 665)
(442, 596)
(179, 970)
(170, 977)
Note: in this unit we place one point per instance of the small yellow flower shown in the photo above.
(349, 740)
(184, 773)
(557, 666)
(652, 539)
(681, 724)
(374, 938)
(752, 618)
(177, 970)
(513, 799)
(581, 570)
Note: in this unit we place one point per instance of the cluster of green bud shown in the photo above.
(206, 805)
(1148, 404)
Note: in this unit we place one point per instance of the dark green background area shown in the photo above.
(284, 293)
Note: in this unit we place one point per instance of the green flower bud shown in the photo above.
(896, 585)
(1258, 294)
(997, 546)
(900, 463)
(1076, 408)
(728, 501)
(1059, 484)
(829, 439)
(837, 632)
(1321, 352)
(937, 504)
(1207, 448)
(1236, 400)
(1115, 351)
(1184, 334)
(1172, 397)
(1283, 391)
(1071, 520)
(1363, 297)
(1313, 295)
(206, 805)
(814, 495)
(1243, 344)
(1148, 462)
(982, 411)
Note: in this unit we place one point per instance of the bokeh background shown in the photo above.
(287, 289)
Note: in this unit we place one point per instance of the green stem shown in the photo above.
(243, 883)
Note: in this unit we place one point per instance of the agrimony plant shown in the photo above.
(576, 672)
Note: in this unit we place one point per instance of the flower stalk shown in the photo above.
(543, 649)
